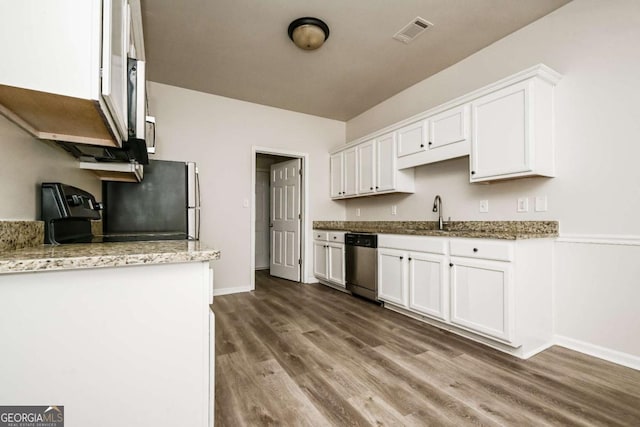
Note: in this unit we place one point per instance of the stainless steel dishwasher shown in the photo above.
(361, 259)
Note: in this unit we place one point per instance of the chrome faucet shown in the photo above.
(437, 207)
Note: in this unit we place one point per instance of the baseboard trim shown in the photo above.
(624, 359)
(228, 291)
(600, 239)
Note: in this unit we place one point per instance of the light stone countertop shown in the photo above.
(506, 230)
(97, 255)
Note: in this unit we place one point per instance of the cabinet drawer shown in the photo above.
(336, 236)
(434, 245)
(499, 251)
(320, 235)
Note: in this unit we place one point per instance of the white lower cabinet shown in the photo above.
(481, 297)
(391, 276)
(428, 285)
(328, 257)
(320, 259)
(497, 292)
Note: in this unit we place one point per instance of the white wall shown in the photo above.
(218, 133)
(26, 163)
(594, 44)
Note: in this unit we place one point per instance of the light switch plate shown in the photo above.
(541, 203)
(523, 204)
(484, 206)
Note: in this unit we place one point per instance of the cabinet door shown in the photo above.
(386, 164)
(501, 133)
(412, 138)
(336, 263)
(481, 297)
(115, 45)
(391, 276)
(320, 259)
(336, 166)
(350, 175)
(449, 127)
(366, 167)
(428, 284)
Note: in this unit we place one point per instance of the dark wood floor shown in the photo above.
(295, 355)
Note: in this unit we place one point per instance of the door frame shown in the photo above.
(304, 207)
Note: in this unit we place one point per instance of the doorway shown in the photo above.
(278, 221)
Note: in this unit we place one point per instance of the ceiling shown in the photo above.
(240, 48)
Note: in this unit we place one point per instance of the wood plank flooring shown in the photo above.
(306, 355)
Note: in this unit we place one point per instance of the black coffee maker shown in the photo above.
(67, 213)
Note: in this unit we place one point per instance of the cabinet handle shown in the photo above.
(401, 257)
(409, 258)
(335, 237)
(450, 264)
(473, 172)
(421, 145)
(370, 188)
(377, 187)
(430, 143)
(475, 249)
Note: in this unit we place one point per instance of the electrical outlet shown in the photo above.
(484, 206)
(394, 209)
(541, 203)
(357, 211)
(523, 204)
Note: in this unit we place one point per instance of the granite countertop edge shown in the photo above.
(510, 230)
(101, 255)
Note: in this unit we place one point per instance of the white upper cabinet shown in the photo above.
(343, 171)
(449, 127)
(447, 137)
(505, 127)
(350, 172)
(336, 164)
(67, 80)
(412, 139)
(386, 165)
(366, 167)
(370, 168)
(512, 132)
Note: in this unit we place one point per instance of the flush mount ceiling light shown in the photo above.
(308, 33)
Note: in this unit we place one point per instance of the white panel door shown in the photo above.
(366, 167)
(449, 127)
(411, 138)
(428, 284)
(350, 174)
(115, 45)
(262, 220)
(391, 276)
(320, 262)
(481, 297)
(386, 162)
(501, 126)
(335, 255)
(285, 220)
(337, 172)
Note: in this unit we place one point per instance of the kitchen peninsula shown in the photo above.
(111, 331)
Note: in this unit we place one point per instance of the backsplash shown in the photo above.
(20, 234)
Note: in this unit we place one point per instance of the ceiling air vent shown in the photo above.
(412, 30)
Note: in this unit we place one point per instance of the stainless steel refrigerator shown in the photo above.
(164, 206)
